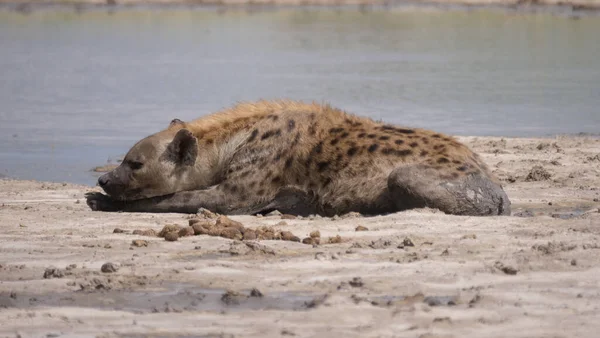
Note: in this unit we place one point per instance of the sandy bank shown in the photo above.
(533, 274)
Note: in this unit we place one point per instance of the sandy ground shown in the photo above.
(416, 274)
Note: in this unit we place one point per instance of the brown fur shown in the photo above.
(341, 162)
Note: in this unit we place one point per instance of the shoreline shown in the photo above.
(222, 6)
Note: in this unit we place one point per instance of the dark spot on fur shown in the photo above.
(405, 131)
(462, 168)
(288, 162)
(312, 129)
(455, 161)
(425, 140)
(404, 152)
(321, 166)
(244, 174)
(269, 174)
(209, 141)
(273, 117)
(233, 188)
(252, 184)
(455, 175)
(318, 148)
(291, 124)
(276, 179)
(339, 157)
(327, 181)
(336, 130)
(260, 192)
(253, 135)
(424, 153)
(296, 139)
(277, 157)
(334, 141)
(384, 137)
(267, 134)
(443, 160)
(373, 147)
(447, 139)
(371, 136)
(414, 144)
(361, 135)
(344, 135)
(436, 136)
(387, 151)
(399, 142)
(352, 151)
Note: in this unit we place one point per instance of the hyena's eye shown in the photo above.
(136, 165)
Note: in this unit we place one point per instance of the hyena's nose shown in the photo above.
(103, 181)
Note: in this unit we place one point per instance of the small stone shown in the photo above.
(361, 228)
(172, 236)
(169, 228)
(282, 224)
(109, 268)
(356, 282)
(288, 236)
(187, 231)
(256, 293)
(315, 234)
(573, 262)
(446, 252)
(53, 273)
(139, 243)
(231, 233)
(408, 242)
(335, 240)
(509, 270)
(107, 246)
(287, 216)
(226, 222)
(232, 297)
(119, 231)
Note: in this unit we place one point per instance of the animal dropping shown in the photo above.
(299, 159)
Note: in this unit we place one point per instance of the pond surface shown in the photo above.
(77, 90)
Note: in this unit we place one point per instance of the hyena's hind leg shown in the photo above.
(417, 186)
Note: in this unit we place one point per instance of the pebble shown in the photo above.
(361, 228)
(109, 268)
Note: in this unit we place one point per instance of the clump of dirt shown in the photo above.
(172, 236)
(168, 229)
(553, 247)
(139, 243)
(147, 232)
(187, 231)
(361, 228)
(538, 173)
(53, 273)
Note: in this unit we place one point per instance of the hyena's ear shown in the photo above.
(175, 122)
(184, 148)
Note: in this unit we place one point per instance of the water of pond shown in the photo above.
(79, 89)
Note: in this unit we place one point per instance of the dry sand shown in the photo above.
(533, 274)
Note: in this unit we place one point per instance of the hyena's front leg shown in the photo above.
(183, 202)
(288, 200)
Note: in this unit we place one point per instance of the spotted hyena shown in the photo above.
(300, 159)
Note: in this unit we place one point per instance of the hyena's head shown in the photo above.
(160, 164)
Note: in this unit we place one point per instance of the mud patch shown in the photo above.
(170, 298)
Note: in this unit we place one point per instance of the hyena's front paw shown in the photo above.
(100, 202)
